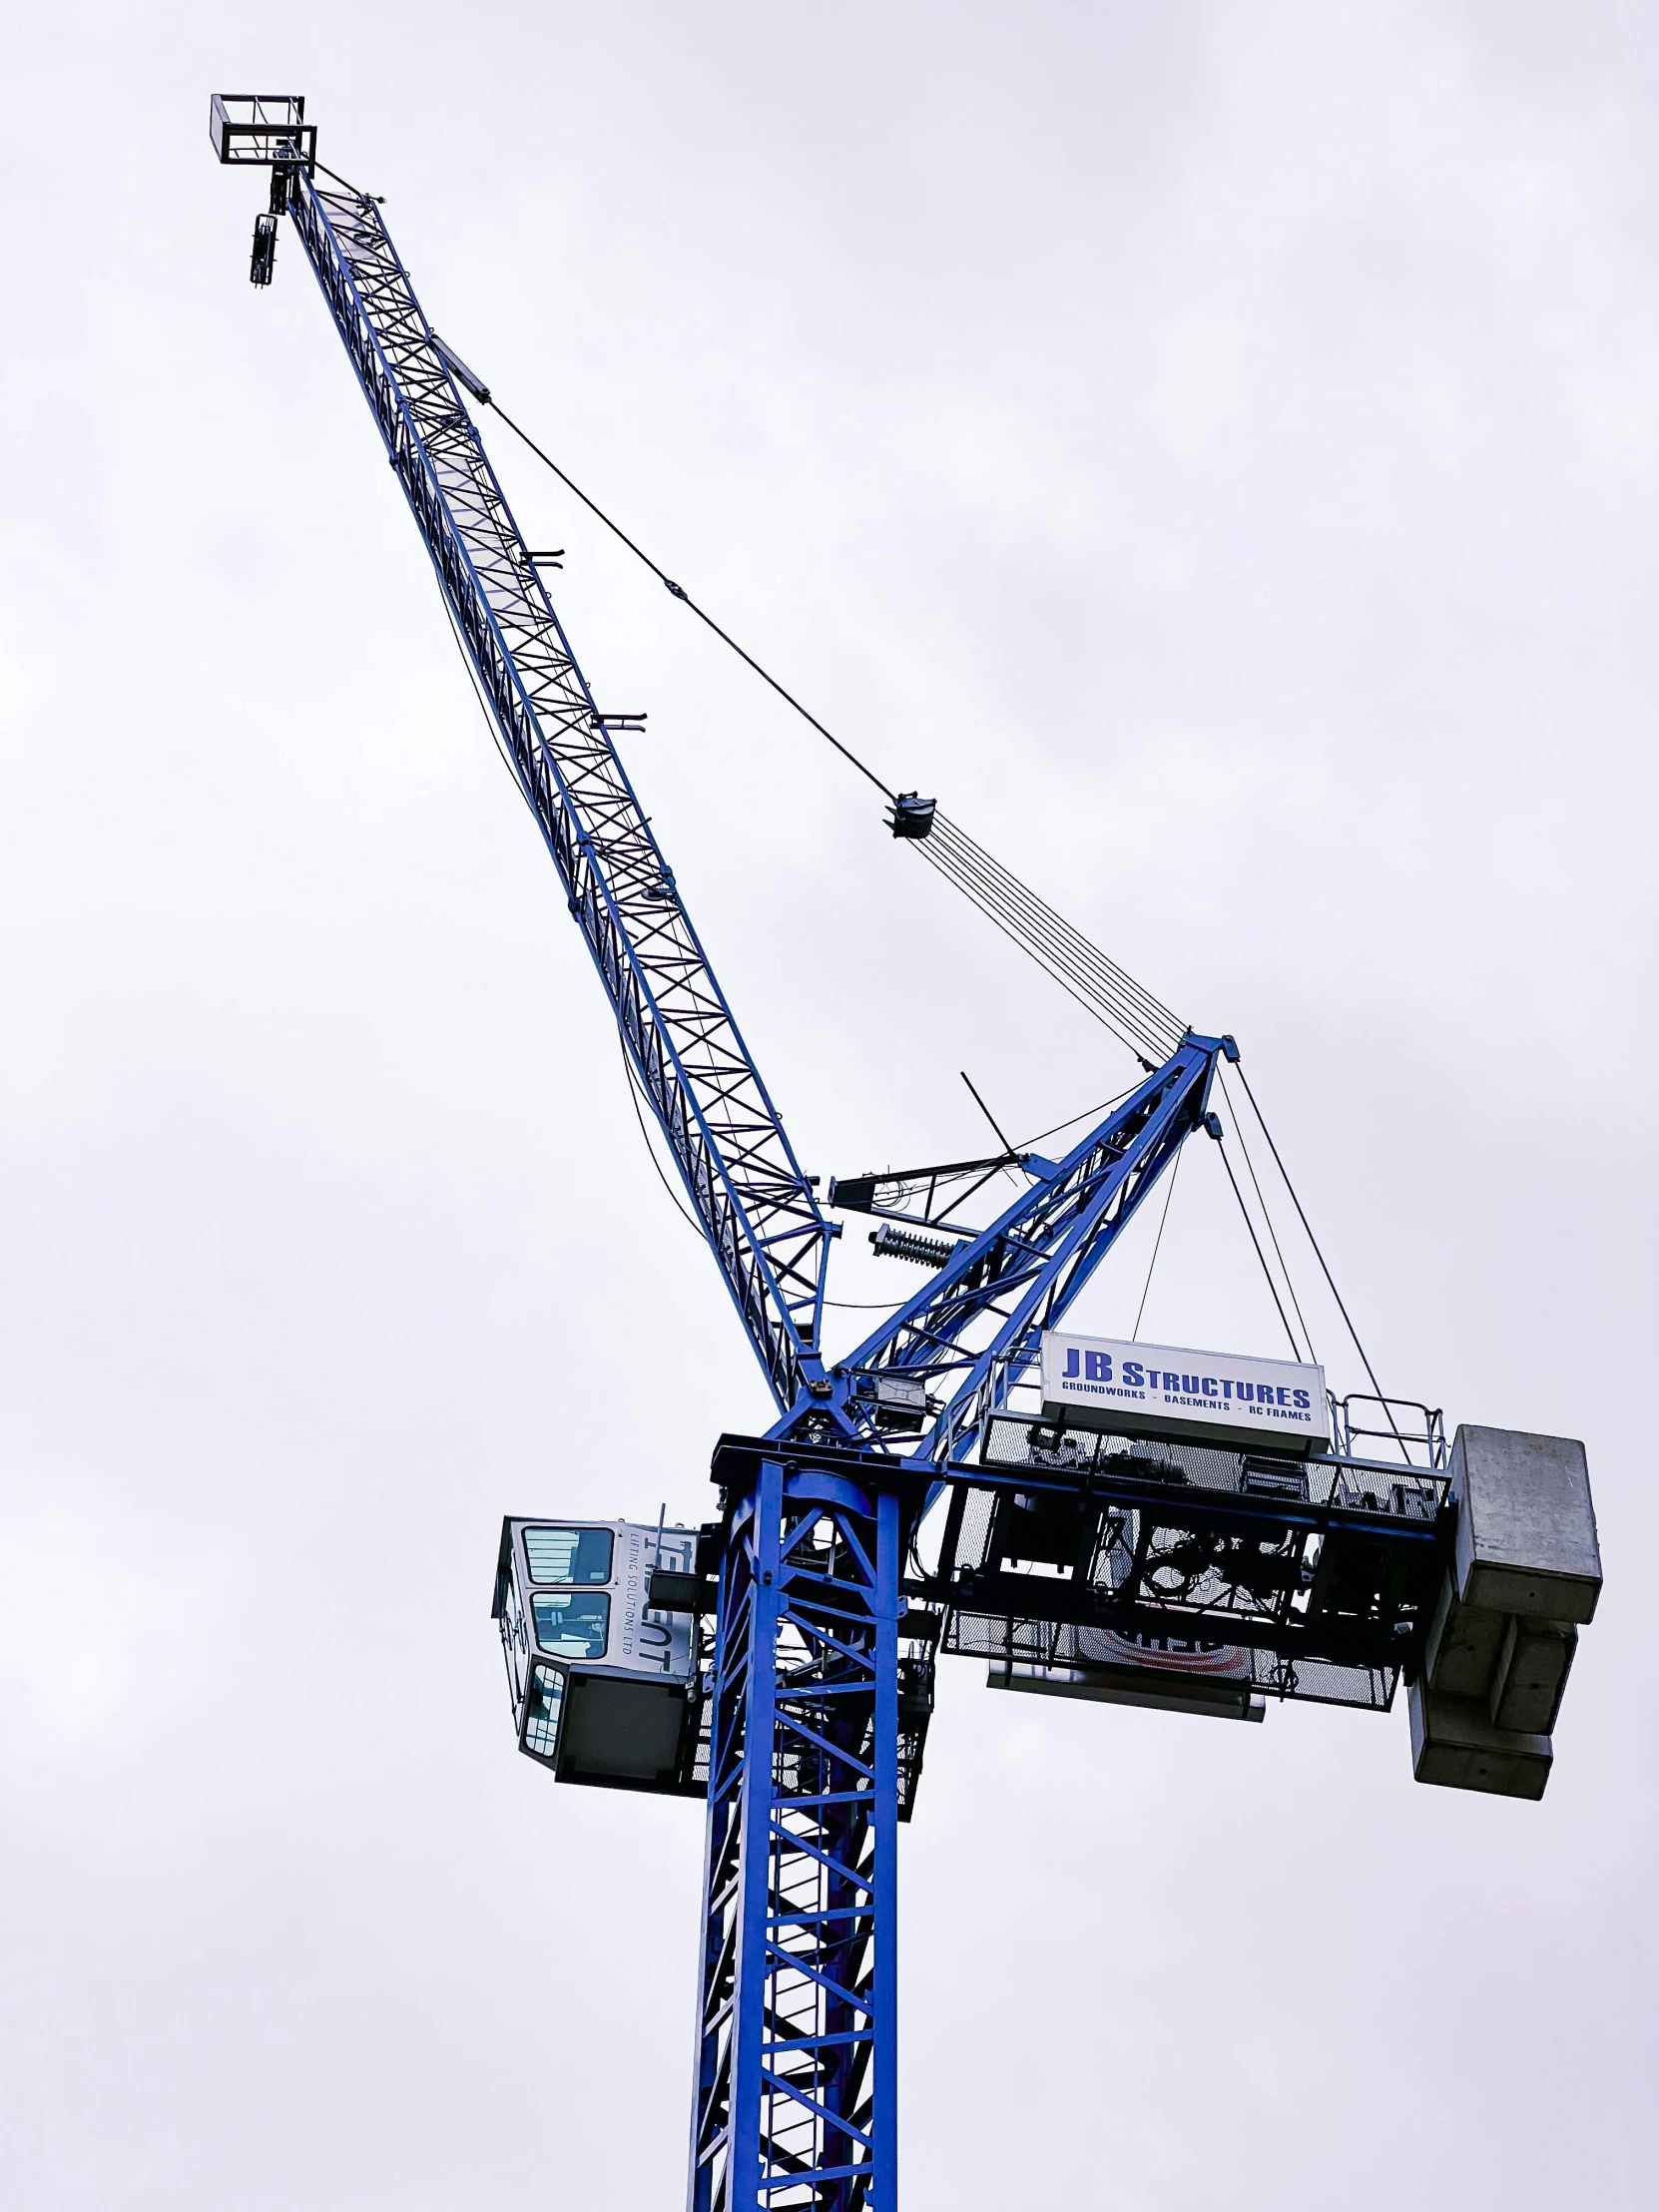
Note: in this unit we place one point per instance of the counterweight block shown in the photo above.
(1525, 1576)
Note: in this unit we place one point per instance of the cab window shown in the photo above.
(541, 1723)
(573, 1623)
(568, 1554)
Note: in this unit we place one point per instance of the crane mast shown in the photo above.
(779, 1662)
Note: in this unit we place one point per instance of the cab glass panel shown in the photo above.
(573, 1623)
(541, 1722)
(568, 1554)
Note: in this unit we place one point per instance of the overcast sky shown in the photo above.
(1216, 449)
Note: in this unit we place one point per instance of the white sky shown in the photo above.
(1214, 448)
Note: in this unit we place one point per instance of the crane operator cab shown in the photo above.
(604, 1684)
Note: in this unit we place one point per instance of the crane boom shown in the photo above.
(756, 1206)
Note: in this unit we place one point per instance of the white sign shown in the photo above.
(1213, 1398)
(644, 1640)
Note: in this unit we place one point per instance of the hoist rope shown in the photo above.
(1295, 1348)
(1267, 1220)
(1092, 963)
(645, 1133)
(1157, 1243)
(1365, 1361)
(685, 598)
(1133, 1017)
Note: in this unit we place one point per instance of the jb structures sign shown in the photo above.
(1208, 1397)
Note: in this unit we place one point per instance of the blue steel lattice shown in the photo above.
(973, 1332)
(794, 2100)
(755, 1208)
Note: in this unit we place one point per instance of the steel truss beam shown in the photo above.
(973, 1332)
(756, 1208)
(794, 2101)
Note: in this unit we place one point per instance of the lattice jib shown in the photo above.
(759, 1213)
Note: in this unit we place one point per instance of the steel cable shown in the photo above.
(1371, 1371)
(1133, 1015)
(1023, 939)
(1267, 1272)
(1255, 1183)
(1021, 898)
(1157, 1244)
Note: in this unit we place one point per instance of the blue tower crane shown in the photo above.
(1120, 1522)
